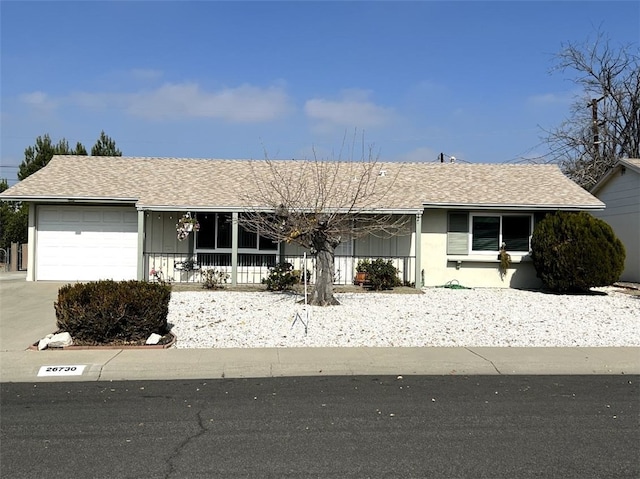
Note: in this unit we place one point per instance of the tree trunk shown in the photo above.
(323, 292)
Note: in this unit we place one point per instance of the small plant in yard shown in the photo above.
(158, 276)
(105, 312)
(505, 260)
(282, 277)
(381, 274)
(186, 265)
(213, 279)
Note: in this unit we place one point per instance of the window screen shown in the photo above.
(516, 231)
(486, 233)
(206, 236)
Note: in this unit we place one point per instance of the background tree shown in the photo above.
(13, 220)
(317, 205)
(105, 146)
(37, 156)
(604, 125)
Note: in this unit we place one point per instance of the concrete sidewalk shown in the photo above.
(27, 314)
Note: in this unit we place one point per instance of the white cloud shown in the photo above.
(176, 101)
(242, 104)
(550, 99)
(94, 101)
(354, 110)
(39, 101)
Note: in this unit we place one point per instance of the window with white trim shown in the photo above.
(214, 241)
(489, 232)
(485, 232)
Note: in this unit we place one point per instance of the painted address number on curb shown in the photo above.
(75, 370)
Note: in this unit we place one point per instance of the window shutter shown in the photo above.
(458, 233)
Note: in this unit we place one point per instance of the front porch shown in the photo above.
(220, 243)
(252, 268)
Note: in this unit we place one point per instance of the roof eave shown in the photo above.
(67, 199)
(241, 209)
(519, 207)
(612, 171)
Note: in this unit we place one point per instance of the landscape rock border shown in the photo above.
(34, 346)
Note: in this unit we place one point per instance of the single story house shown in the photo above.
(94, 218)
(619, 189)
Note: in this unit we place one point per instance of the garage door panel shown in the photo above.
(92, 216)
(131, 217)
(71, 216)
(76, 243)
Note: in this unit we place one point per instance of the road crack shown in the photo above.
(105, 364)
(179, 448)
(487, 360)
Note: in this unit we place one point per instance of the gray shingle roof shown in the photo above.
(203, 183)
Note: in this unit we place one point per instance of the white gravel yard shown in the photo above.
(439, 317)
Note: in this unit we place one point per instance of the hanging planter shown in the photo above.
(186, 225)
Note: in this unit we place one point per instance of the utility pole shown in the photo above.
(595, 126)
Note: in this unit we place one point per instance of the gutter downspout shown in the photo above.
(418, 271)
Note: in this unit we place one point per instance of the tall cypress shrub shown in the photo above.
(575, 252)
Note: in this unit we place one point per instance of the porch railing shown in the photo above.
(252, 268)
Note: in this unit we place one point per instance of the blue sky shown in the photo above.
(233, 79)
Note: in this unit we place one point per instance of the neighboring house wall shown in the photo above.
(473, 269)
(621, 194)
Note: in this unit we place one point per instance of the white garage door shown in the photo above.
(85, 243)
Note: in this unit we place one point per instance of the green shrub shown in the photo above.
(381, 274)
(110, 311)
(282, 277)
(213, 279)
(575, 252)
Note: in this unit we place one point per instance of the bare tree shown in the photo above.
(319, 203)
(605, 119)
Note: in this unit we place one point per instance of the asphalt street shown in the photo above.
(339, 427)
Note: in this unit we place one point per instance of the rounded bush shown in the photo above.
(108, 311)
(575, 252)
(381, 274)
(282, 277)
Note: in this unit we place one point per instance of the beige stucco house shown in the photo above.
(115, 217)
(619, 189)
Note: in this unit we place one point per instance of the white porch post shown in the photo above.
(31, 243)
(234, 248)
(141, 219)
(418, 255)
